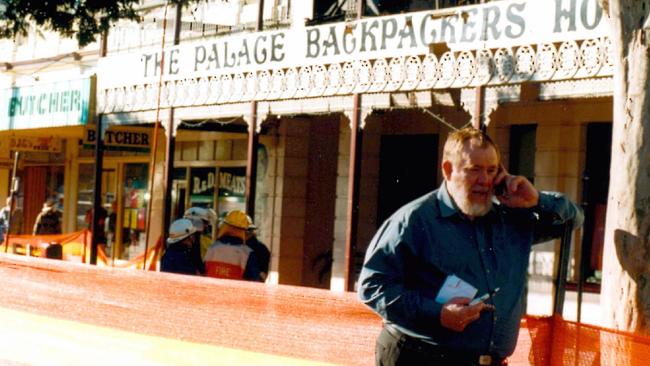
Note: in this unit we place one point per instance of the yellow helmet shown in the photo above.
(239, 219)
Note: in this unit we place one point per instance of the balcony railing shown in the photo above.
(339, 10)
(203, 19)
(215, 17)
(212, 18)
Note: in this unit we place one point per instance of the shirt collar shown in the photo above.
(446, 204)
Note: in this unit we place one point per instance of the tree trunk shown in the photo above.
(625, 295)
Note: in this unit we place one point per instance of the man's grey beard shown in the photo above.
(475, 209)
(467, 207)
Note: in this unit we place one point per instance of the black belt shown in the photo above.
(444, 354)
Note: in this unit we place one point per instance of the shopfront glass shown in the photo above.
(202, 185)
(135, 198)
(124, 199)
(221, 189)
(85, 199)
(231, 193)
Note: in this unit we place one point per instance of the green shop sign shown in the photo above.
(64, 103)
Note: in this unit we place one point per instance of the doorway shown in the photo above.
(41, 183)
(595, 189)
(408, 166)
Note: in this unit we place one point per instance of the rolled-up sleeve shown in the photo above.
(554, 211)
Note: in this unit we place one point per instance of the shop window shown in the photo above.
(202, 186)
(86, 192)
(86, 187)
(232, 189)
(134, 209)
(522, 150)
(222, 188)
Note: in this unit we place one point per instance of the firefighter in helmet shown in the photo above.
(229, 257)
(178, 254)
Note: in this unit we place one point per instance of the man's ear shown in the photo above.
(447, 168)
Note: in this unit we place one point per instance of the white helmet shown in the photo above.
(198, 224)
(179, 230)
(200, 213)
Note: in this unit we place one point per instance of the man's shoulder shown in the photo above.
(426, 205)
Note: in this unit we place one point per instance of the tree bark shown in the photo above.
(625, 295)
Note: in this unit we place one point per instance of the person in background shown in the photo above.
(178, 254)
(48, 220)
(109, 226)
(101, 235)
(203, 219)
(474, 232)
(262, 253)
(229, 257)
(4, 219)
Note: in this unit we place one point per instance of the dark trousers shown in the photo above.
(397, 349)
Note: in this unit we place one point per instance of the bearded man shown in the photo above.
(429, 260)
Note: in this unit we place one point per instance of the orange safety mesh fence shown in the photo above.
(299, 322)
(76, 248)
(73, 244)
(153, 254)
(556, 341)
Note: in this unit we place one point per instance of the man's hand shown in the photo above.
(519, 192)
(456, 314)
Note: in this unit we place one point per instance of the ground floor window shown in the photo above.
(231, 193)
(124, 201)
(135, 198)
(219, 188)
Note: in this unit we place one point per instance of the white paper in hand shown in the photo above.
(455, 287)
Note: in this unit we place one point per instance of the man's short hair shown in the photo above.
(457, 139)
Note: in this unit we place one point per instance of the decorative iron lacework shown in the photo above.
(569, 60)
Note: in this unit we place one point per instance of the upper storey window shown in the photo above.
(339, 10)
(206, 18)
(214, 17)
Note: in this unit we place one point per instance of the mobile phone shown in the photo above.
(484, 297)
(500, 189)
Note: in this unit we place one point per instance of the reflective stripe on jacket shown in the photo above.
(226, 261)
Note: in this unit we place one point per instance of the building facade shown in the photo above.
(342, 112)
(47, 96)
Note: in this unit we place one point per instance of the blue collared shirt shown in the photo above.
(428, 239)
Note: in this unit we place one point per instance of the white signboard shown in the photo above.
(64, 103)
(499, 24)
